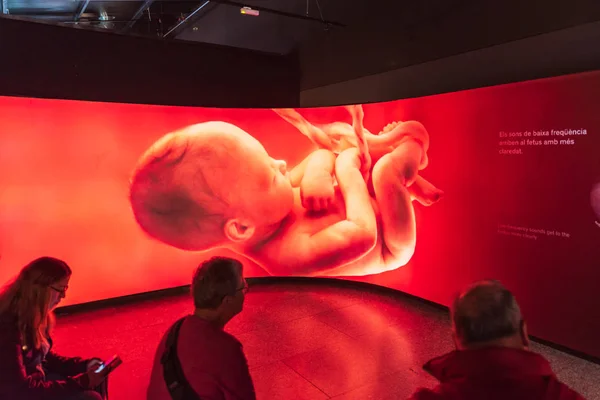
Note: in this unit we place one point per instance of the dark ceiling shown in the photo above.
(279, 28)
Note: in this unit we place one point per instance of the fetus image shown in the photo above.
(345, 210)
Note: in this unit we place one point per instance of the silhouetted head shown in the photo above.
(219, 288)
(487, 314)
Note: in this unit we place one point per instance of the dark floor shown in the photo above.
(303, 341)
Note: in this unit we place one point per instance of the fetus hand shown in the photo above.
(317, 193)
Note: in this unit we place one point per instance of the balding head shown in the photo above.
(487, 314)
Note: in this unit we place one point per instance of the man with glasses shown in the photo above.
(197, 359)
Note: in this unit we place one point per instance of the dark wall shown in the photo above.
(42, 60)
(410, 33)
(567, 51)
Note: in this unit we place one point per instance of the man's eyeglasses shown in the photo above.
(244, 289)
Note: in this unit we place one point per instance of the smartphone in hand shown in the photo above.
(109, 366)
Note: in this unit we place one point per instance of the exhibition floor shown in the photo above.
(303, 341)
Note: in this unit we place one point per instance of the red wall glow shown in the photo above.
(519, 167)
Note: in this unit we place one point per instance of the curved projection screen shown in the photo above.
(421, 195)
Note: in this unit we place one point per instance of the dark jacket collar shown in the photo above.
(488, 363)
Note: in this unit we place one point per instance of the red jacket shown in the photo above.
(212, 361)
(494, 373)
(20, 377)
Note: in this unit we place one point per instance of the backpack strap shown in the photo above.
(178, 386)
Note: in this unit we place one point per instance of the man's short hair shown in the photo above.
(486, 311)
(214, 279)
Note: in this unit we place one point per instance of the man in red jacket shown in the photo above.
(492, 360)
(212, 361)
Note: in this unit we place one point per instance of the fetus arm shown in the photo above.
(344, 241)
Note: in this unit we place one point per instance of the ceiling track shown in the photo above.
(282, 13)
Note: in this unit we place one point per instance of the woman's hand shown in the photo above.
(94, 364)
(90, 379)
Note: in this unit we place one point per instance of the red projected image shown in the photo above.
(345, 210)
(422, 195)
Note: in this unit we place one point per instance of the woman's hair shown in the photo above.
(27, 297)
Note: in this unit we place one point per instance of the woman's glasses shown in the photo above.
(62, 291)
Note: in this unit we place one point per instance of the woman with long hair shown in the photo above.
(29, 369)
